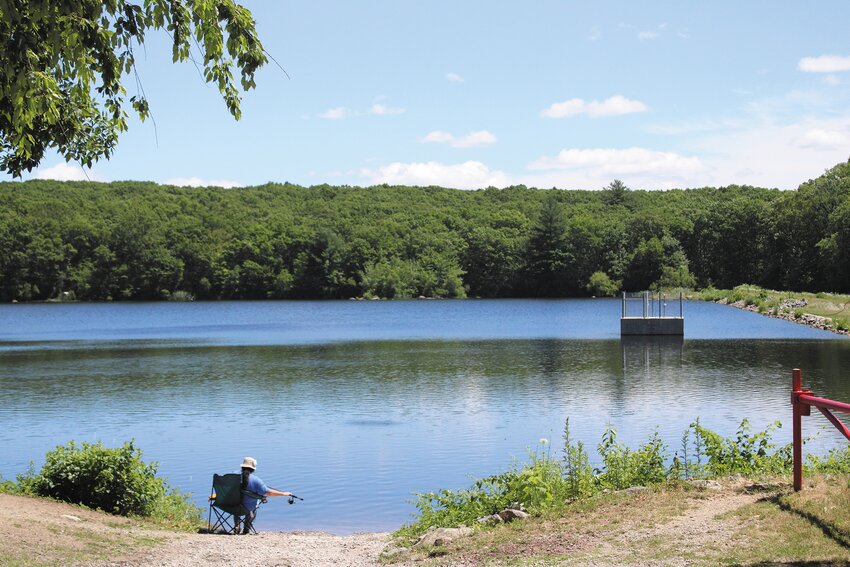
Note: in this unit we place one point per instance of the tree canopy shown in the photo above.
(62, 67)
(139, 240)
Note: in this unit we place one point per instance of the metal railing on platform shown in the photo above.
(647, 304)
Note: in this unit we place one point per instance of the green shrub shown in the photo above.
(749, 294)
(746, 453)
(600, 285)
(840, 324)
(538, 484)
(675, 278)
(180, 295)
(623, 467)
(113, 480)
(543, 483)
(837, 461)
(8, 486)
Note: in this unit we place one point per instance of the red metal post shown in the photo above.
(796, 390)
(801, 404)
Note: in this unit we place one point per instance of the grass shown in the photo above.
(831, 305)
(63, 544)
(774, 525)
(586, 514)
(809, 526)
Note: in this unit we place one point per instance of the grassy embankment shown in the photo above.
(716, 500)
(38, 532)
(736, 522)
(37, 527)
(791, 305)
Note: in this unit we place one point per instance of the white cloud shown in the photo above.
(651, 34)
(825, 139)
(772, 155)
(377, 108)
(67, 172)
(380, 109)
(471, 140)
(198, 182)
(336, 113)
(594, 168)
(620, 161)
(613, 106)
(454, 78)
(438, 136)
(832, 80)
(595, 34)
(467, 175)
(824, 64)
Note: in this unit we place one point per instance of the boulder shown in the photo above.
(793, 303)
(442, 536)
(492, 518)
(509, 515)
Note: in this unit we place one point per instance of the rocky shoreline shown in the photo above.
(789, 311)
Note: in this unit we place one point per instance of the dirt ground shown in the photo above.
(705, 526)
(267, 548)
(43, 532)
(35, 531)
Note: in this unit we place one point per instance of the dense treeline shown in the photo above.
(137, 240)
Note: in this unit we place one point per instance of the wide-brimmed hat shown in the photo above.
(249, 463)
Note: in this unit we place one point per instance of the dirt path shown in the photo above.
(698, 528)
(680, 541)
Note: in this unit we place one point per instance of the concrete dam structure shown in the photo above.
(648, 313)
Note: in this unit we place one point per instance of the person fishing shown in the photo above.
(254, 490)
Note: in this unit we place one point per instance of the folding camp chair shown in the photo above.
(226, 502)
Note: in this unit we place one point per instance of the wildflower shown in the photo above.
(544, 441)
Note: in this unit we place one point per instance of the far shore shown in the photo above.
(824, 311)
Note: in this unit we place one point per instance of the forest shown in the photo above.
(143, 241)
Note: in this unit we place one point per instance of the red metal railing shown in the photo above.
(801, 404)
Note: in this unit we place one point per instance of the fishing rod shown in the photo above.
(291, 496)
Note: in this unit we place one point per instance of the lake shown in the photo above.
(356, 405)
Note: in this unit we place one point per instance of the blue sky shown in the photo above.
(471, 94)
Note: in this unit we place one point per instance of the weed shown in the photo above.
(746, 453)
(577, 469)
(546, 485)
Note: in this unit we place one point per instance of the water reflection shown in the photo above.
(357, 427)
(640, 353)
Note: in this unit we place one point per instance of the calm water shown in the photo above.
(357, 405)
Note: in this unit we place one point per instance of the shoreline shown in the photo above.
(50, 532)
(808, 319)
(736, 519)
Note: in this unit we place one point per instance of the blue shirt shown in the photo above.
(257, 486)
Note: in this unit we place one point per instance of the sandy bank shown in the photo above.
(37, 531)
